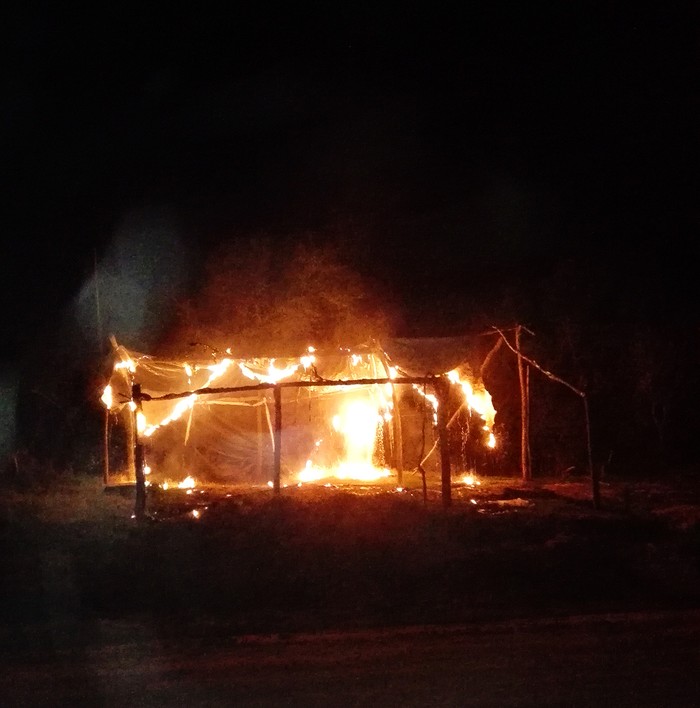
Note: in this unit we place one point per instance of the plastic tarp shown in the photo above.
(225, 435)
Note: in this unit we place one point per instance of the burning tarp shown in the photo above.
(333, 414)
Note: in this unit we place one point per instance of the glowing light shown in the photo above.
(478, 400)
(307, 361)
(470, 480)
(187, 483)
(357, 471)
(106, 397)
(129, 365)
(195, 513)
(273, 374)
(184, 404)
(431, 398)
(217, 370)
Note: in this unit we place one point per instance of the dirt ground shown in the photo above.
(517, 594)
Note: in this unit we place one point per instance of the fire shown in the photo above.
(470, 480)
(477, 400)
(353, 445)
(106, 397)
(356, 427)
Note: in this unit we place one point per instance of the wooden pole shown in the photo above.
(398, 438)
(525, 471)
(591, 471)
(278, 438)
(105, 468)
(595, 477)
(260, 443)
(397, 457)
(442, 391)
(139, 462)
(528, 450)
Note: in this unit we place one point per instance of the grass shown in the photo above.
(339, 557)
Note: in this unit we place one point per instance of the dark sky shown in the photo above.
(505, 135)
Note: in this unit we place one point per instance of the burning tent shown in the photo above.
(360, 414)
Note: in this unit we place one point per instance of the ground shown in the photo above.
(517, 594)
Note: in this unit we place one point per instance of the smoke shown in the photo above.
(134, 288)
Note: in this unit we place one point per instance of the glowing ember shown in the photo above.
(470, 480)
(187, 483)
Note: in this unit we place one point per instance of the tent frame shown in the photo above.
(440, 383)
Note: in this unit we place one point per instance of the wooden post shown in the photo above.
(278, 438)
(442, 390)
(130, 424)
(105, 469)
(139, 462)
(260, 443)
(398, 438)
(594, 473)
(525, 470)
(397, 458)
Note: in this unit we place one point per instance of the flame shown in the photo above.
(106, 397)
(273, 374)
(127, 364)
(356, 424)
(471, 480)
(184, 404)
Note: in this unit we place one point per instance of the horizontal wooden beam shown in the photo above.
(316, 383)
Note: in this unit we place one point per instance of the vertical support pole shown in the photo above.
(130, 424)
(278, 438)
(525, 471)
(397, 451)
(442, 390)
(592, 471)
(398, 437)
(259, 470)
(139, 461)
(105, 468)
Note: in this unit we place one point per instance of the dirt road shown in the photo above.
(605, 660)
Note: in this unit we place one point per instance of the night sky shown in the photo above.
(487, 139)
